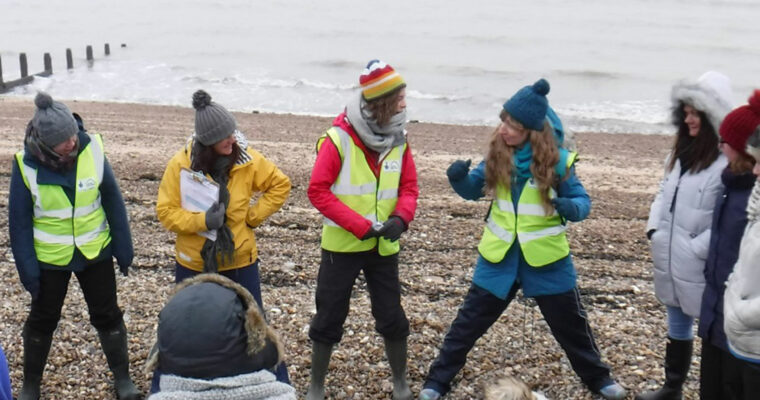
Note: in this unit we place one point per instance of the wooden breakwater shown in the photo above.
(26, 78)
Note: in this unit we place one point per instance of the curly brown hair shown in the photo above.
(500, 165)
(384, 108)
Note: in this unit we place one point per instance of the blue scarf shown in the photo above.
(523, 156)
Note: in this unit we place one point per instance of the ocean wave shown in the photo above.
(648, 112)
(471, 70)
(593, 74)
(344, 64)
(448, 98)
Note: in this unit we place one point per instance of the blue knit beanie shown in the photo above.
(528, 106)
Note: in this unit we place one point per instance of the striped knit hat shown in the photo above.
(379, 79)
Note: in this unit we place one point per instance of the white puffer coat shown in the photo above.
(741, 308)
(682, 215)
(682, 211)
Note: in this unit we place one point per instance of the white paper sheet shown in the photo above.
(198, 193)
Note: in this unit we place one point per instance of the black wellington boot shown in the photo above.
(677, 363)
(36, 349)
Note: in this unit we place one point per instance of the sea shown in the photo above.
(611, 63)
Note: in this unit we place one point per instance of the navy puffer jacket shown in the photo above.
(728, 223)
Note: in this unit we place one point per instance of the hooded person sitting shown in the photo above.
(214, 343)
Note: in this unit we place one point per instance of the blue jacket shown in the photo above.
(5, 380)
(498, 278)
(20, 210)
(728, 223)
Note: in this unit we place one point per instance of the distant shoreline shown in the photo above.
(24, 101)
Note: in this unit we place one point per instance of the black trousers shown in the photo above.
(564, 314)
(98, 283)
(335, 281)
(725, 377)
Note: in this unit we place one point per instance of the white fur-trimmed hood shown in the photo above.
(711, 93)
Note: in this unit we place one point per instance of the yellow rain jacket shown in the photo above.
(253, 176)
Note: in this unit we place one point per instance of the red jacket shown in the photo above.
(325, 172)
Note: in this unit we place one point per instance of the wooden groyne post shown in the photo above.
(48, 67)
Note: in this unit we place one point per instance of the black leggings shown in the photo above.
(98, 283)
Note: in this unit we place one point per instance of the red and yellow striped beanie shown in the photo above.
(379, 79)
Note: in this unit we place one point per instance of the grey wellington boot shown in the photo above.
(320, 360)
(36, 349)
(114, 343)
(396, 351)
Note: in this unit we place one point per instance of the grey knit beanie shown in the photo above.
(53, 120)
(213, 122)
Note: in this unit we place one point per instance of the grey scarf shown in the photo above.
(254, 386)
(378, 138)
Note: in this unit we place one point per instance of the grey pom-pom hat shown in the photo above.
(213, 122)
(53, 121)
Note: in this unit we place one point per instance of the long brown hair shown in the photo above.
(500, 164)
(204, 158)
(698, 152)
(384, 108)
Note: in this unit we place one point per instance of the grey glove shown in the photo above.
(215, 216)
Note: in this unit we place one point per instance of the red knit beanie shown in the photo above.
(740, 123)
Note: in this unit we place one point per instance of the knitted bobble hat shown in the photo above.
(53, 120)
(379, 79)
(741, 123)
(528, 106)
(213, 122)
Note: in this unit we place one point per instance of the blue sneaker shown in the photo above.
(613, 391)
(429, 394)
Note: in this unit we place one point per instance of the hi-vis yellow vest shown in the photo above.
(359, 189)
(542, 238)
(59, 226)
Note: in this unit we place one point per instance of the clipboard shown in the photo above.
(198, 194)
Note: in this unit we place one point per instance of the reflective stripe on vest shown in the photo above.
(542, 237)
(359, 189)
(58, 225)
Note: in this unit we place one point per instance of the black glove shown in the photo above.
(124, 269)
(33, 288)
(650, 233)
(458, 170)
(215, 216)
(373, 232)
(393, 228)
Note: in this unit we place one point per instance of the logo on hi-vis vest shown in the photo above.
(392, 166)
(86, 184)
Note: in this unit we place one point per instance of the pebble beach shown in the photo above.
(611, 253)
